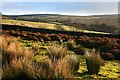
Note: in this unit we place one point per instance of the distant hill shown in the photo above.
(103, 23)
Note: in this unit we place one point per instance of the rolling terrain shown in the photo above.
(101, 42)
(51, 26)
(102, 23)
(56, 46)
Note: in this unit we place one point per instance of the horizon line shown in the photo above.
(60, 14)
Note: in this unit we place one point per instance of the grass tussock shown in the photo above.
(11, 49)
(17, 69)
(19, 62)
(73, 61)
(93, 62)
(56, 52)
(63, 70)
(65, 64)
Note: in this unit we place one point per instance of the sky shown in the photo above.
(64, 8)
(60, 0)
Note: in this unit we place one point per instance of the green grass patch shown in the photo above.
(109, 70)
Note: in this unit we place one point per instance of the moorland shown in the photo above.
(59, 46)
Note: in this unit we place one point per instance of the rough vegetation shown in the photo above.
(93, 61)
(109, 46)
(19, 62)
(33, 63)
(28, 54)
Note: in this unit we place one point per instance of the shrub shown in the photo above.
(54, 38)
(79, 50)
(107, 56)
(93, 62)
(70, 44)
(115, 53)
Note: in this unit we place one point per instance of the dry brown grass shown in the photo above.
(65, 64)
(73, 61)
(11, 49)
(17, 69)
(63, 70)
(15, 59)
(19, 63)
(56, 52)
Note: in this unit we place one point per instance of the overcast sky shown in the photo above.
(64, 8)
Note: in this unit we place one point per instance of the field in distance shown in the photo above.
(55, 26)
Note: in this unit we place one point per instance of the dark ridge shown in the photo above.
(34, 15)
(21, 28)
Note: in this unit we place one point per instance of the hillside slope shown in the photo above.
(103, 23)
(51, 26)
